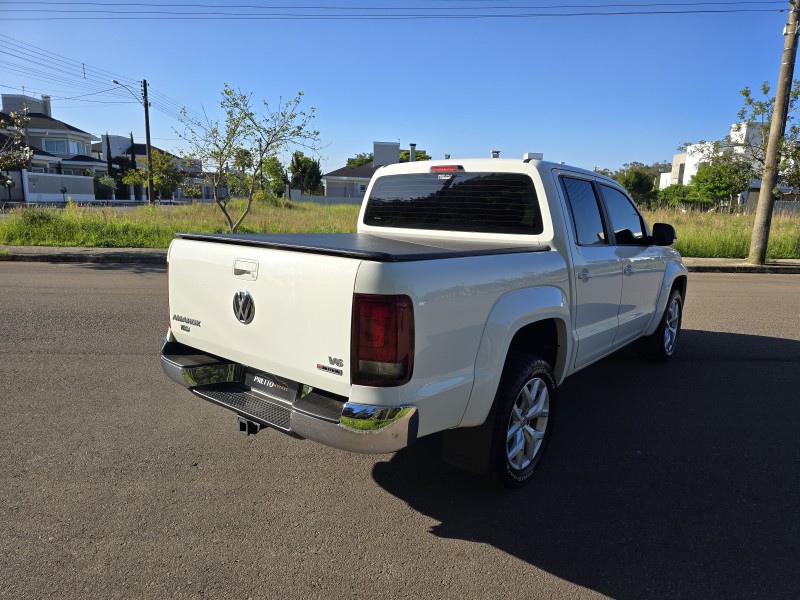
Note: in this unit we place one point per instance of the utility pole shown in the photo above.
(150, 197)
(777, 129)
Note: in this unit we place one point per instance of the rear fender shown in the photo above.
(509, 315)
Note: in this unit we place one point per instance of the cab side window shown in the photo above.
(628, 225)
(585, 210)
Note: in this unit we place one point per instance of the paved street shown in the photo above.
(661, 481)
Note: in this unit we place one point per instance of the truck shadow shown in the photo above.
(129, 267)
(667, 481)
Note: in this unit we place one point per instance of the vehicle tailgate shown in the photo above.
(300, 329)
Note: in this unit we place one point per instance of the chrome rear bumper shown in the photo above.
(316, 416)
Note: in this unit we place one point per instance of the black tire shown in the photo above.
(661, 345)
(526, 431)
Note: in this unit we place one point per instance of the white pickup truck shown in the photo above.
(472, 289)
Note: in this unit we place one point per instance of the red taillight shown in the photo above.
(446, 168)
(382, 340)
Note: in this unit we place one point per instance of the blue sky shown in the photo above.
(589, 90)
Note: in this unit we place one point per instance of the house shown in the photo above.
(742, 137)
(58, 146)
(351, 182)
(684, 165)
(62, 155)
(118, 145)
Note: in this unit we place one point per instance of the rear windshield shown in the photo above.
(479, 202)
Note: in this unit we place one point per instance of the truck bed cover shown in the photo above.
(367, 247)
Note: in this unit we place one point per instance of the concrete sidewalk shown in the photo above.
(159, 256)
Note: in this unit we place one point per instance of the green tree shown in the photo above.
(217, 144)
(306, 173)
(276, 176)
(653, 170)
(640, 185)
(360, 159)
(14, 153)
(168, 174)
(751, 133)
(191, 190)
(722, 180)
(418, 155)
(678, 194)
(106, 184)
(756, 116)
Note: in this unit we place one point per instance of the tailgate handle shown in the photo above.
(245, 269)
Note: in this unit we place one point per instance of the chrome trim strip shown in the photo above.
(362, 428)
(365, 417)
(191, 376)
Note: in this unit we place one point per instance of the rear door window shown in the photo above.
(474, 202)
(585, 209)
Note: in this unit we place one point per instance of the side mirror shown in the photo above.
(663, 234)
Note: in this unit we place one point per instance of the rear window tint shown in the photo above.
(475, 202)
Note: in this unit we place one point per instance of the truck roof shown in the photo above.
(514, 165)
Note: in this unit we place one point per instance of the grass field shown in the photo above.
(720, 235)
(155, 226)
(712, 235)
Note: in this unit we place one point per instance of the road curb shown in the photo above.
(766, 269)
(121, 258)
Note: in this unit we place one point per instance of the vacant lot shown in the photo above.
(706, 235)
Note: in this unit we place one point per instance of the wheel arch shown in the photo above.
(676, 276)
(531, 321)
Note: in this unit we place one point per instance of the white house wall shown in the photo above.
(45, 187)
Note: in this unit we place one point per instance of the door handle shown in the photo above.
(585, 275)
(245, 269)
(628, 270)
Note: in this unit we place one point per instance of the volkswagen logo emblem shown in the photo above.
(243, 307)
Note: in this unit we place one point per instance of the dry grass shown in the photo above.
(715, 235)
(155, 226)
(720, 235)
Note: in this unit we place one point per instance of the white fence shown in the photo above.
(787, 208)
(298, 196)
(46, 187)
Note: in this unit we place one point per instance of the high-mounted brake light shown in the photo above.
(446, 168)
(382, 340)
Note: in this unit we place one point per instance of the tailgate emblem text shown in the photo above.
(243, 307)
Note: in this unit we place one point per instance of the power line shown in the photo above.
(67, 71)
(220, 16)
(377, 8)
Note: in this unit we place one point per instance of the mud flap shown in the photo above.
(469, 448)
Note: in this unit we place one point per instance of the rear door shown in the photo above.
(598, 272)
(283, 312)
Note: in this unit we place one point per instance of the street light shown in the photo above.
(144, 102)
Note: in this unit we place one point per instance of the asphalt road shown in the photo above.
(661, 481)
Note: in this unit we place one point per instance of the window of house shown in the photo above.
(362, 188)
(585, 211)
(55, 146)
(75, 147)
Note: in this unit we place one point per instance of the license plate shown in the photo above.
(271, 385)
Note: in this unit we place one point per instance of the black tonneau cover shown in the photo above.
(366, 247)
